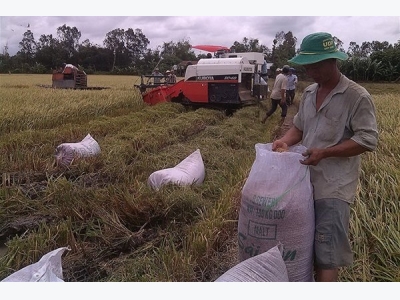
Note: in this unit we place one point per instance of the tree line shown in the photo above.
(126, 52)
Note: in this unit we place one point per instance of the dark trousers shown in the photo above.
(275, 103)
(290, 96)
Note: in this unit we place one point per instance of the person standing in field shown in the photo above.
(291, 87)
(278, 94)
(157, 75)
(264, 71)
(336, 122)
(170, 77)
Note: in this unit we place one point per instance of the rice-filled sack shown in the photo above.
(277, 207)
(265, 267)
(189, 171)
(67, 152)
(47, 269)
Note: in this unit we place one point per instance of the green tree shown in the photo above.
(115, 43)
(126, 47)
(94, 58)
(379, 46)
(48, 52)
(173, 53)
(69, 41)
(136, 43)
(373, 61)
(249, 45)
(183, 50)
(354, 50)
(150, 60)
(375, 70)
(338, 43)
(389, 58)
(27, 50)
(5, 61)
(180, 50)
(283, 49)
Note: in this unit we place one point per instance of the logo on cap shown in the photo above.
(328, 44)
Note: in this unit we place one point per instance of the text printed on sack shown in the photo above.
(254, 248)
(270, 214)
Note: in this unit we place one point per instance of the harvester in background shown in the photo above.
(69, 77)
(227, 80)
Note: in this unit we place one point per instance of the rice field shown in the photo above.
(121, 230)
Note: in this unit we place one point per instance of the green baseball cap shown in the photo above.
(316, 47)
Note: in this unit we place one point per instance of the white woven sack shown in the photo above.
(189, 171)
(266, 267)
(277, 206)
(47, 269)
(66, 152)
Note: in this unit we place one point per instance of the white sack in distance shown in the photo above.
(66, 152)
(189, 171)
(47, 269)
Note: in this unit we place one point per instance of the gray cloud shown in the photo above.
(216, 30)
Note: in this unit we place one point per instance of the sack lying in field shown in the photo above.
(66, 152)
(277, 206)
(189, 171)
(47, 269)
(266, 267)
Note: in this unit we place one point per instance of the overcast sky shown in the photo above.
(204, 22)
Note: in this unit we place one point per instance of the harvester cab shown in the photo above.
(228, 81)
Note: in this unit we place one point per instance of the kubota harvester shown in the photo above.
(228, 81)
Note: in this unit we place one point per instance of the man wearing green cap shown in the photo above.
(336, 122)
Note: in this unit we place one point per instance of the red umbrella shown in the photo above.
(210, 48)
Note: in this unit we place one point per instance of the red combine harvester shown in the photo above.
(225, 81)
(69, 78)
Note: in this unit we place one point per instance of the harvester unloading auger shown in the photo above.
(227, 81)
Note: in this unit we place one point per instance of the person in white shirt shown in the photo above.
(170, 77)
(278, 94)
(264, 71)
(291, 86)
(173, 77)
(157, 76)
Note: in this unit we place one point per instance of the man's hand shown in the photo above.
(313, 156)
(279, 146)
